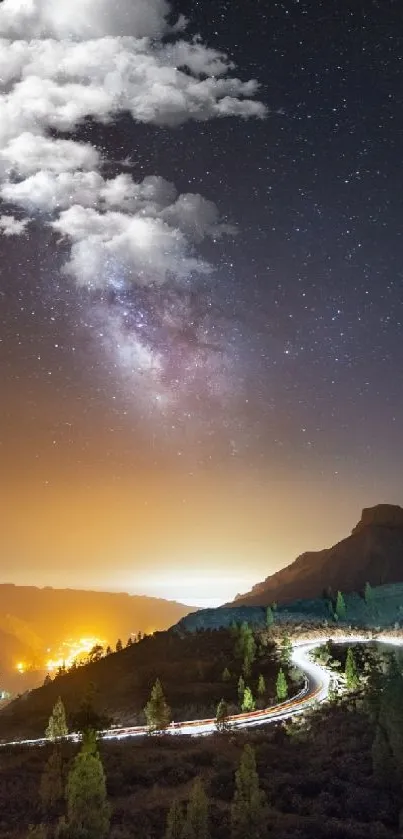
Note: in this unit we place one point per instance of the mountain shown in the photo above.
(373, 553)
(41, 623)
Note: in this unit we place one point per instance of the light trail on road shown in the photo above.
(316, 690)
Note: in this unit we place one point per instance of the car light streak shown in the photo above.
(315, 690)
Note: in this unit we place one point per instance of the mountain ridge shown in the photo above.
(372, 553)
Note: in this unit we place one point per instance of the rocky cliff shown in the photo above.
(373, 553)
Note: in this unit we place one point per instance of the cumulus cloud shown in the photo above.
(62, 63)
(84, 19)
(11, 226)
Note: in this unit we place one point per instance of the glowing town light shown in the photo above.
(21, 667)
(72, 651)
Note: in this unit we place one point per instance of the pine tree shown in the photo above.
(285, 649)
(261, 686)
(351, 671)
(246, 667)
(226, 675)
(88, 812)
(248, 702)
(269, 617)
(51, 785)
(87, 718)
(249, 649)
(241, 689)
(175, 821)
(222, 721)
(340, 606)
(245, 647)
(281, 686)
(196, 824)
(248, 806)
(157, 711)
(57, 725)
(119, 645)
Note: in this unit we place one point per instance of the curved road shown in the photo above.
(316, 689)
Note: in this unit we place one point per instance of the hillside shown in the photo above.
(373, 552)
(190, 668)
(35, 623)
(319, 784)
(384, 610)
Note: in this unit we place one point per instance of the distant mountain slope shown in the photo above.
(373, 553)
(51, 614)
(34, 620)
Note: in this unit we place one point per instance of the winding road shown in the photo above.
(315, 690)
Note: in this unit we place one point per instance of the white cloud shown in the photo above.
(61, 63)
(143, 249)
(83, 19)
(10, 226)
(31, 153)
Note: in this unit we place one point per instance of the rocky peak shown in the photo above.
(382, 515)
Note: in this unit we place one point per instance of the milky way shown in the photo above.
(133, 243)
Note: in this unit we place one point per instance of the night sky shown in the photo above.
(185, 421)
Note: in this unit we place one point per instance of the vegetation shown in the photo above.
(351, 671)
(261, 687)
(51, 784)
(117, 688)
(197, 822)
(87, 718)
(248, 806)
(57, 725)
(285, 649)
(157, 710)
(175, 821)
(88, 812)
(281, 686)
(340, 609)
(248, 702)
(319, 782)
(222, 721)
(241, 689)
(314, 777)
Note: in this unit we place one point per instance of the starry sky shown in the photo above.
(186, 437)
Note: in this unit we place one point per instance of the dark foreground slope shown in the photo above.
(318, 785)
(373, 553)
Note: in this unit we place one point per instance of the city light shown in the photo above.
(72, 651)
